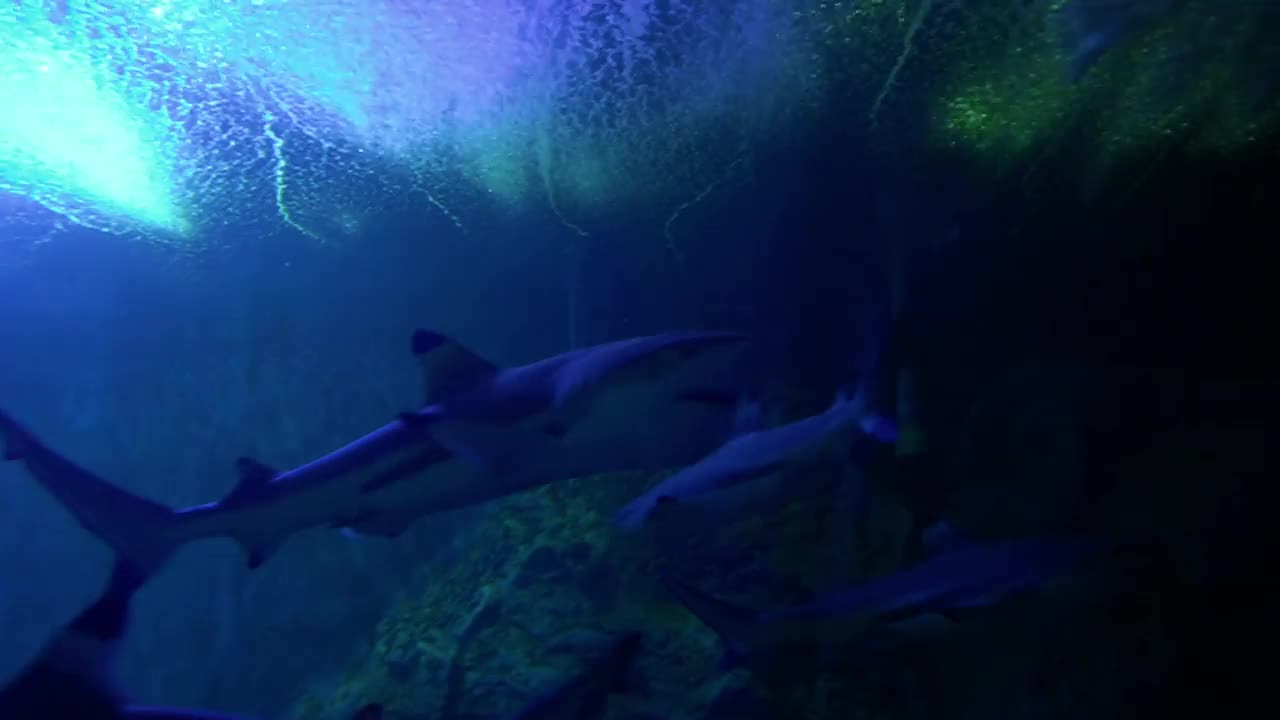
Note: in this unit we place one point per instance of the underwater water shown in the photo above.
(634, 358)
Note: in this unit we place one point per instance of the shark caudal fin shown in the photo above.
(137, 529)
(71, 676)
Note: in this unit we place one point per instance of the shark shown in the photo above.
(756, 453)
(883, 613)
(492, 416)
(485, 432)
(71, 675)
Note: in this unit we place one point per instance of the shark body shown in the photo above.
(881, 613)
(71, 675)
(756, 454)
(488, 433)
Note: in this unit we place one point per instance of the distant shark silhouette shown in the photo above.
(881, 613)
(758, 453)
(487, 432)
(71, 676)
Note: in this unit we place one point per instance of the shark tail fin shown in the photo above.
(72, 675)
(735, 625)
(447, 366)
(131, 525)
(108, 617)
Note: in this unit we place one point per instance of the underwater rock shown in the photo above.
(738, 701)
(403, 668)
(601, 585)
(543, 564)
(579, 553)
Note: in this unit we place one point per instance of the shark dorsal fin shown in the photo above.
(447, 367)
(254, 476)
(257, 552)
(371, 711)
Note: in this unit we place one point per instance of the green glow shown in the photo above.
(1183, 78)
(192, 115)
(66, 133)
(1006, 109)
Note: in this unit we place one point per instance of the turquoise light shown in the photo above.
(68, 138)
(172, 118)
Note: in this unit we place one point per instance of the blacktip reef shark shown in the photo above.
(508, 429)
(492, 415)
(920, 601)
(757, 453)
(71, 676)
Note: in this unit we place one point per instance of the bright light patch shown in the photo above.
(67, 136)
(210, 112)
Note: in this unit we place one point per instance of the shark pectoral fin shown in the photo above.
(495, 448)
(407, 469)
(254, 477)
(258, 551)
(447, 366)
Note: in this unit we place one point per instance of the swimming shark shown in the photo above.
(757, 453)
(925, 599)
(492, 415)
(71, 676)
(508, 430)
